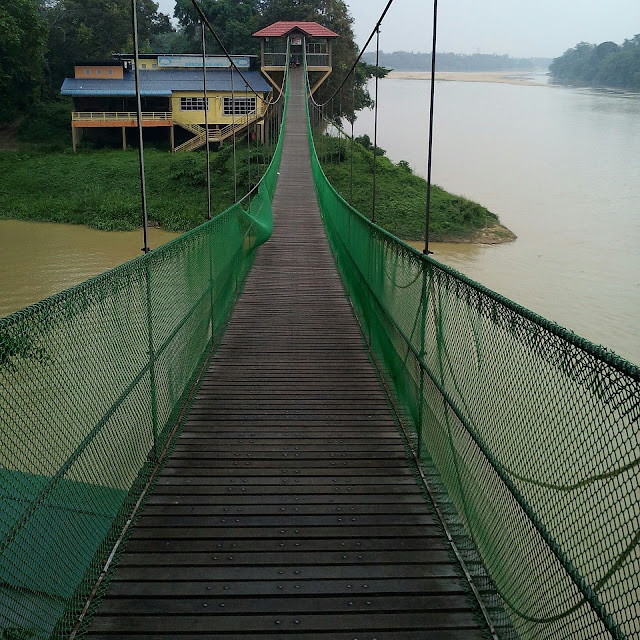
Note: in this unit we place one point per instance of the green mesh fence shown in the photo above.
(531, 432)
(92, 382)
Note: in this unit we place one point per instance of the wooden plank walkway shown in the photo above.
(288, 507)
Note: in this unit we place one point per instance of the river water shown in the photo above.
(38, 259)
(561, 167)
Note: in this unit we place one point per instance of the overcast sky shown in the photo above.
(521, 28)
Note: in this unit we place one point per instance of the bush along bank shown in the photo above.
(401, 196)
(101, 188)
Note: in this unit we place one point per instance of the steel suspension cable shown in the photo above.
(246, 108)
(353, 120)
(233, 139)
(430, 152)
(206, 120)
(143, 187)
(375, 129)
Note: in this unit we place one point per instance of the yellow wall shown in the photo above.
(116, 72)
(215, 107)
(147, 64)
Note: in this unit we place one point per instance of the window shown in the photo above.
(317, 47)
(98, 72)
(193, 104)
(110, 72)
(87, 72)
(143, 66)
(241, 106)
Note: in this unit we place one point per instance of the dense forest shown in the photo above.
(409, 61)
(604, 65)
(40, 40)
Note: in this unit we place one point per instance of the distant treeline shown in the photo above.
(409, 61)
(603, 65)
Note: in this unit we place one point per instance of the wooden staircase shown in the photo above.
(215, 135)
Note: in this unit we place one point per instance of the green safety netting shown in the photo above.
(529, 434)
(92, 382)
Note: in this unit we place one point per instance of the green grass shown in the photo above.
(401, 196)
(100, 188)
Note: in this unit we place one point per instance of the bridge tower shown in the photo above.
(316, 39)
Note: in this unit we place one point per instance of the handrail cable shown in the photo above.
(206, 120)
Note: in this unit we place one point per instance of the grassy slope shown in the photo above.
(101, 188)
(401, 195)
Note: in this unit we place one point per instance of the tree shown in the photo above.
(604, 65)
(81, 30)
(22, 46)
(233, 21)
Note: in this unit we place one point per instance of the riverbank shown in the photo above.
(100, 189)
(401, 198)
(500, 77)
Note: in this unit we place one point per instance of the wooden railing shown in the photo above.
(104, 116)
(275, 59)
(318, 60)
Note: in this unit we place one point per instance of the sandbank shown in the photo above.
(502, 77)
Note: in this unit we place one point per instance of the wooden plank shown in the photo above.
(284, 588)
(308, 604)
(285, 623)
(227, 531)
(303, 573)
(288, 507)
(285, 558)
(440, 634)
(210, 545)
(365, 501)
(173, 508)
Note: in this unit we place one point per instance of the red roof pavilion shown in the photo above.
(279, 29)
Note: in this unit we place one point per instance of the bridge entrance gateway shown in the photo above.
(288, 505)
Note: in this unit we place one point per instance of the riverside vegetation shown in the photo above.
(604, 65)
(44, 181)
(401, 196)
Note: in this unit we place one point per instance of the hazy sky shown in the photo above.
(521, 28)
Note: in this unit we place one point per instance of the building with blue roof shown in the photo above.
(172, 93)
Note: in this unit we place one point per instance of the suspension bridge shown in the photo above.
(286, 422)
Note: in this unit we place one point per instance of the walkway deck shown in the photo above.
(288, 507)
